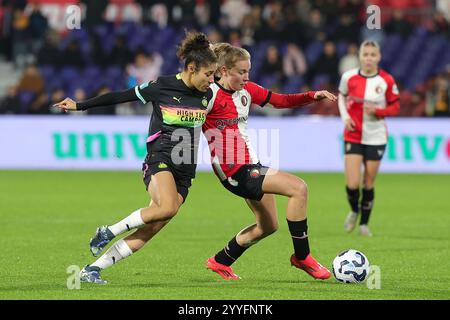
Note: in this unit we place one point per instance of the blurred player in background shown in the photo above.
(179, 110)
(367, 95)
(236, 164)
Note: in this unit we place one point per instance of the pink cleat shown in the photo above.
(222, 270)
(312, 267)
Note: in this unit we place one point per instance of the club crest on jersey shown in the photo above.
(378, 89)
(162, 165)
(244, 101)
(255, 173)
(204, 102)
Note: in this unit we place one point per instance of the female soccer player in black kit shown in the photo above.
(179, 110)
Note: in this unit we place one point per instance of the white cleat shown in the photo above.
(364, 230)
(350, 221)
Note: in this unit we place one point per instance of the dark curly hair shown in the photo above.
(196, 48)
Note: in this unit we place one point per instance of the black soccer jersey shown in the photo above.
(178, 115)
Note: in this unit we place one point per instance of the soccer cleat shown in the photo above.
(92, 275)
(364, 230)
(350, 221)
(222, 270)
(101, 238)
(311, 266)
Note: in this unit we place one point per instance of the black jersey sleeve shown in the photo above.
(109, 98)
(148, 91)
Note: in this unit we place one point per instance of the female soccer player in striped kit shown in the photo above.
(167, 181)
(366, 96)
(239, 170)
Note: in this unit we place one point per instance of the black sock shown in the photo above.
(299, 233)
(353, 198)
(230, 253)
(366, 205)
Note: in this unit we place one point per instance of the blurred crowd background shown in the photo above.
(296, 45)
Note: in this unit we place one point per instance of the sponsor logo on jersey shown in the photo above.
(183, 116)
(222, 123)
(177, 99)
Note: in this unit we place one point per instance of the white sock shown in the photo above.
(134, 220)
(120, 250)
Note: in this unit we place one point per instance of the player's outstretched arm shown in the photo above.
(299, 99)
(110, 98)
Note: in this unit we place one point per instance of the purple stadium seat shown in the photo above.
(341, 48)
(47, 72)
(319, 81)
(267, 81)
(114, 77)
(101, 30)
(69, 73)
(126, 28)
(92, 72)
(293, 84)
(25, 98)
(313, 52)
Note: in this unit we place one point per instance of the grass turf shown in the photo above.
(48, 217)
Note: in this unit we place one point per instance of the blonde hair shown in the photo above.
(369, 43)
(228, 55)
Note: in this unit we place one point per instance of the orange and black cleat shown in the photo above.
(311, 266)
(222, 270)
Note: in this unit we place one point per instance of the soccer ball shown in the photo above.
(351, 266)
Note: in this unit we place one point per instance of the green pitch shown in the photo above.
(47, 219)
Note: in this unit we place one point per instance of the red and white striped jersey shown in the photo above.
(225, 127)
(379, 90)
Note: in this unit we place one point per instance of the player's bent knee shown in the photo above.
(300, 188)
(170, 210)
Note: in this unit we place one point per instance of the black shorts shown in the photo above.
(247, 181)
(156, 164)
(368, 152)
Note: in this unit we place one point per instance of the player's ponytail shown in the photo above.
(196, 48)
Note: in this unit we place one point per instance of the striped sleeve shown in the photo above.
(148, 91)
